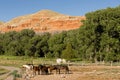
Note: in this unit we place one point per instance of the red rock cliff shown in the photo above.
(43, 21)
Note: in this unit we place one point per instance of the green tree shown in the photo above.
(68, 53)
(99, 24)
(56, 44)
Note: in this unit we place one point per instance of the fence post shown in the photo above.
(111, 63)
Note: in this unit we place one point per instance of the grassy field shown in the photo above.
(20, 60)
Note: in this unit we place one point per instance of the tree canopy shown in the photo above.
(98, 39)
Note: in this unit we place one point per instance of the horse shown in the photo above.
(53, 67)
(58, 68)
(43, 69)
(28, 66)
(28, 70)
(36, 68)
(32, 69)
(66, 68)
(59, 61)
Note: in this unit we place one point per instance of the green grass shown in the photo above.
(15, 74)
(20, 60)
(13, 57)
(3, 71)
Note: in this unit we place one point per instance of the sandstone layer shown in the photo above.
(43, 21)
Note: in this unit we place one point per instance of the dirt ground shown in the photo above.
(7, 76)
(84, 73)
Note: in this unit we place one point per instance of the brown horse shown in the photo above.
(40, 69)
(43, 69)
(54, 67)
(58, 68)
(36, 69)
(66, 68)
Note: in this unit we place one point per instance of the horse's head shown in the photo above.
(28, 66)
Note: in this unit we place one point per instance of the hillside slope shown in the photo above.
(43, 21)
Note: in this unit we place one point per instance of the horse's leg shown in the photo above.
(59, 71)
(38, 72)
(46, 71)
(29, 73)
(42, 71)
(35, 72)
(56, 71)
(50, 71)
(68, 71)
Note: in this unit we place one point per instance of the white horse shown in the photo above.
(28, 70)
(64, 61)
(60, 61)
(27, 66)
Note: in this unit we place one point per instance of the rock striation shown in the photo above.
(43, 21)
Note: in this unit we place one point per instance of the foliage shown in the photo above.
(68, 53)
(97, 40)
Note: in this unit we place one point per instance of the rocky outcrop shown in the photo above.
(43, 21)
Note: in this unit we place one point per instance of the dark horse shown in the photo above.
(58, 68)
(41, 69)
(36, 69)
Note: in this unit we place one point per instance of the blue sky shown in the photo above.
(12, 8)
